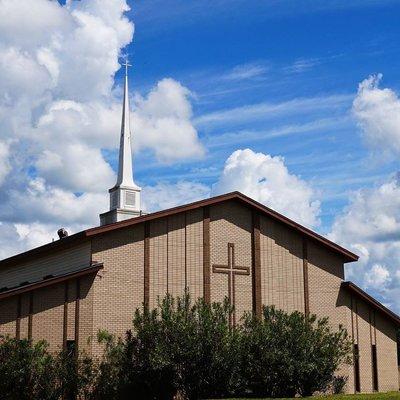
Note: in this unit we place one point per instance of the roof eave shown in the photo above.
(64, 243)
(94, 268)
(370, 300)
(347, 255)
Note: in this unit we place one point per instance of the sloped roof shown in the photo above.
(353, 288)
(29, 286)
(347, 255)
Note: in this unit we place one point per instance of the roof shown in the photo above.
(50, 281)
(347, 255)
(353, 288)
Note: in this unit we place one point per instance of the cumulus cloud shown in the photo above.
(163, 123)
(370, 226)
(258, 175)
(378, 113)
(267, 179)
(56, 73)
(377, 276)
(45, 203)
(59, 110)
(56, 77)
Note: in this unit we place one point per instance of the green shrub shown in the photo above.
(180, 348)
(74, 377)
(185, 349)
(287, 354)
(29, 371)
(26, 370)
(338, 384)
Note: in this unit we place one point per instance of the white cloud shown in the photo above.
(370, 226)
(245, 136)
(260, 176)
(28, 27)
(56, 76)
(163, 123)
(68, 141)
(9, 239)
(378, 114)
(377, 276)
(32, 216)
(302, 65)
(58, 111)
(246, 71)
(35, 234)
(45, 203)
(267, 180)
(18, 237)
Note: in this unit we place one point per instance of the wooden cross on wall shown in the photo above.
(231, 269)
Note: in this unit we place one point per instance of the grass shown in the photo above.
(372, 396)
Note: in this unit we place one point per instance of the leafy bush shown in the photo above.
(187, 350)
(30, 371)
(24, 369)
(338, 384)
(288, 354)
(74, 377)
(180, 348)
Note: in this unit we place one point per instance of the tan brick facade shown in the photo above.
(46, 307)
(281, 266)
(231, 223)
(369, 327)
(146, 260)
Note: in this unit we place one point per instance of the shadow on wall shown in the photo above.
(44, 299)
(365, 312)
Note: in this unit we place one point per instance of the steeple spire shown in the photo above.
(125, 195)
(125, 174)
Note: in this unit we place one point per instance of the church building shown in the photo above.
(226, 246)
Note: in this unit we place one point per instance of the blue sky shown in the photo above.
(235, 54)
(295, 103)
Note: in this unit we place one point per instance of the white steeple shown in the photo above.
(125, 195)
(125, 175)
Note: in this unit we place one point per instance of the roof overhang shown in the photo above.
(353, 288)
(94, 268)
(40, 251)
(347, 255)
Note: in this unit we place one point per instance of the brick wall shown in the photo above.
(386, 346)
(281, 266)
(326, 298)
(48, 316)
(8, 315)
(364, 340)
(325, 276)
(367, 327)
(231, 223)
(119, 287)
(175, 244)
(194, 252)
(48, 309)
(175, 259)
